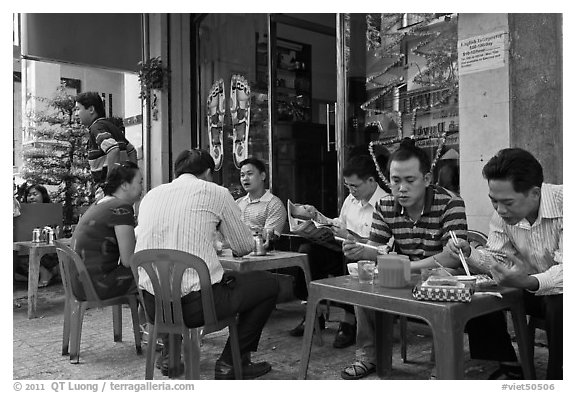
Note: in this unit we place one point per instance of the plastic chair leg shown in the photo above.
(235, 346)
(76, 318)
(66, 329)
(531, 337)
(136, 325)
(174, 350)
(117, 322)
(403, 338)
(192, 353)
(150, 351)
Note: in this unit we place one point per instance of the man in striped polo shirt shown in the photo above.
(524, 250)
(260, 208)
(106, 143)
(419, 216)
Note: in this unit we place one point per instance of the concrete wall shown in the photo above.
(536, 89)
(518, 104)
(180, 84)
(158, 149)
(484, 120)
(100, 80)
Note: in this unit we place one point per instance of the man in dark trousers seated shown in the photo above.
(360, 176)
(524, 250)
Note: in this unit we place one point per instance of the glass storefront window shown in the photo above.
(233, 88)
(402, 81)
(49, 141)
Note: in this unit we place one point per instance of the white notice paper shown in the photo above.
(483, 52)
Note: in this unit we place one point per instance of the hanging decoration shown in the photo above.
(395, 140)
(432, 38)
(384, 38)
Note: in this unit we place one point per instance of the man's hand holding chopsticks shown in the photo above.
(460, 245)
(351, 249)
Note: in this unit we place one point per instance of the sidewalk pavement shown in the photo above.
(37, 347)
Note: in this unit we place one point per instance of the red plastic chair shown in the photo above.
(165, 268)
(74, 308)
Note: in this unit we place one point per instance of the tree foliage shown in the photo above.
(55, 152)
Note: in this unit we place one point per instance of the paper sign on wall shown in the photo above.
(483, 52)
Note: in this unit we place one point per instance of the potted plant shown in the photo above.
(151, 75)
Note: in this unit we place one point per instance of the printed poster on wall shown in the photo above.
(483, 52)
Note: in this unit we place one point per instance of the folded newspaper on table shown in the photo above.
(317, 228)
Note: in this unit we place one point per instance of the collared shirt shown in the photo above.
(266, 212)
(184, 215)
(357, 215)
(540, 245)
(428, 235)
(104, 138)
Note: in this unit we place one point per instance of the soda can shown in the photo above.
(50, 237)
(36, 235)
(259, 248)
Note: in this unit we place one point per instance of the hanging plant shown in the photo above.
(151, 75)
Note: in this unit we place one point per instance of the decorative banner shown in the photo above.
(483, 52)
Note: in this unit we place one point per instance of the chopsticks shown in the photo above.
(496, 294)
(361, 244)
(460, 253)
(440, 265)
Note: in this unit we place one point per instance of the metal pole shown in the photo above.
(147, 123)
(340, 106)
(271, 96)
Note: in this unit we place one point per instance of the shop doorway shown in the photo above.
(285, 66)
(303, 88)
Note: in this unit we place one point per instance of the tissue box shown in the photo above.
(442, 293)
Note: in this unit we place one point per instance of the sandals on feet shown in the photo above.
(507, 372)
(358, 369)
(44, 282)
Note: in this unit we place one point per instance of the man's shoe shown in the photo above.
(162, 361)
(224, 370)
(162, 364)
(298, 331)
(346, 335)
(507, 372)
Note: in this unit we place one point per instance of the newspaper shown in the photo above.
(317, 229)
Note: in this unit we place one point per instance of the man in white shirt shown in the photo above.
(183, 215)
(360, 176)
(524, 250)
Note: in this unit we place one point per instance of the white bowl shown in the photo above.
(465, 278)
(353, 269)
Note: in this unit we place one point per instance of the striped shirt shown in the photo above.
(104, 138)
(427, 236)
(540, 245)
(357, 216)
(266, 212)
(183, 215)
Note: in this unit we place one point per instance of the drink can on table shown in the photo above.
(50, 237)
(36, 235)
(259, 248)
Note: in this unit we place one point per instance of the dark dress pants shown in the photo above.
(549, 308)
(251, 295)
(323, 263)
(489, 339)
